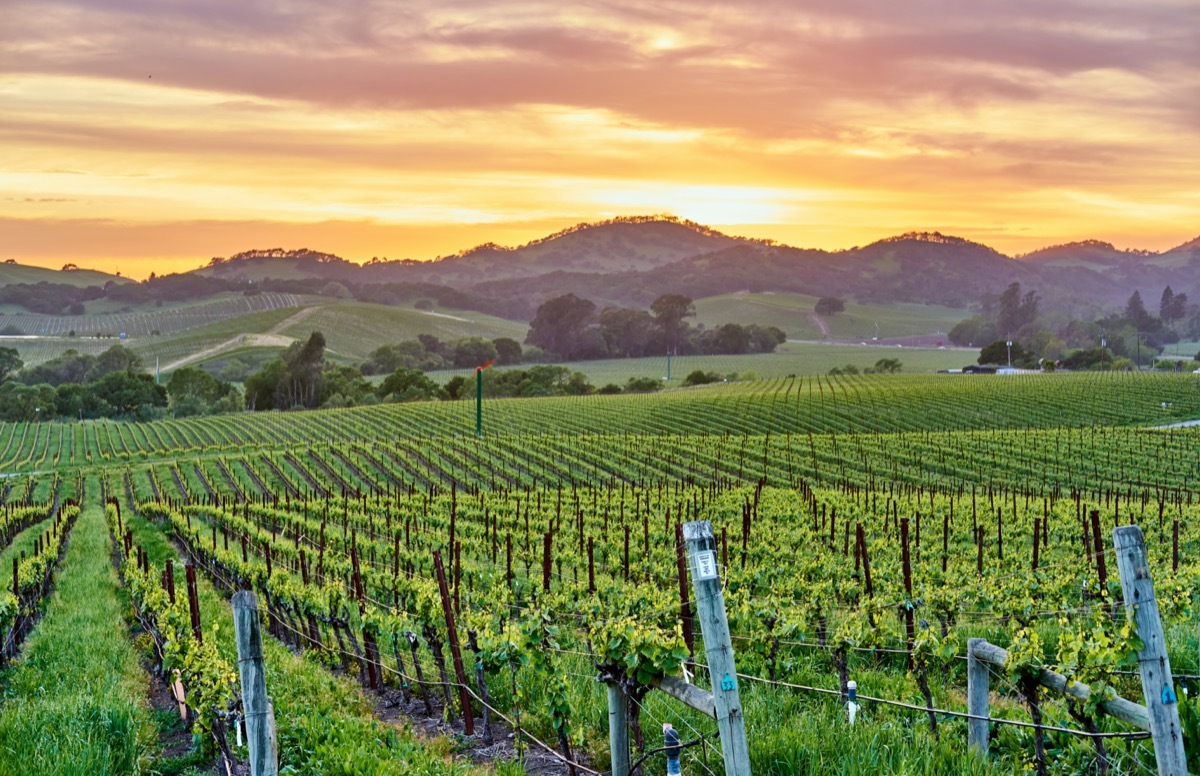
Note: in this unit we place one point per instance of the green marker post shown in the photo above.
(479, 402)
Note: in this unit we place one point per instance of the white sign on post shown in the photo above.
(706, 565)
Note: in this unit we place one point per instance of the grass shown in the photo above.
(354, 329)
(791, 312)
(22, 542)
(74, 703)
(791, 358)
(792, 732)
(24, 273)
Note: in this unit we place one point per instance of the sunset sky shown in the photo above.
(150, 135)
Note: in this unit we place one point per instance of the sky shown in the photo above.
(151, 135)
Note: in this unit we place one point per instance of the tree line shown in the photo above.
(302, 379)
(1122, 337)
(570, 328)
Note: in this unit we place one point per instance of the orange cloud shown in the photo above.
(162, 134)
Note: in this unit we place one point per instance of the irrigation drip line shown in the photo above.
(700, 736)
(657, 750)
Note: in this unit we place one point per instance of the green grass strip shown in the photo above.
(22, 542)
(75, 702)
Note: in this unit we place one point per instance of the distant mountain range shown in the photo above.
(631, 261)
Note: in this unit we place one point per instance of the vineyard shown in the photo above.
(145, 324)
(436, 602)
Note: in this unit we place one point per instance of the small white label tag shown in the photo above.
(706, 565)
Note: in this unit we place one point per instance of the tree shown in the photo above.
(383, 360)
(1172, 307)
(626, 332)
(1015, 311)
(764, 339)
(472, 352)
(410, 354)
(193, 387)
(1135, 311)
(301, 386)
(829, 305)
(10, 362)
(408, 385)
(669, 311)
(260, 386)
(731, 339)
(115, 359)
(455, 387)
(887, 366)
(336, 290)
(977, 328)
(1165, 303)
(700, 377)
(344, 386)
(130, 394)
(997, 353)
(559, 325)
(508, 351)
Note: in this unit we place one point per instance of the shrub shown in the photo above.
(642, 385)
(700, 377)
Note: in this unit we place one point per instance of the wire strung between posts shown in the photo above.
(410, 680)
(437, 683)
(946, 712)
(699, 735)
(883, 701)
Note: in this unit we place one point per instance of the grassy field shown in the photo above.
(191, 334)
(794, 314)
(354, 329)
(791, 358)
(198, 333)
(24, 273)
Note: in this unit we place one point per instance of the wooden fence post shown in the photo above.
(718, 648)
(1157, 685)
(977, 700)
(260, 719)
(618, 731)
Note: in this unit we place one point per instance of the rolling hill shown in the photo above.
(631, 261)
(793, 313)
(11, 272)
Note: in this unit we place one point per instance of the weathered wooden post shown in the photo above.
(977, 700)
(618, 731)
(260, 719)
(710, 606)
(1157, 685)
